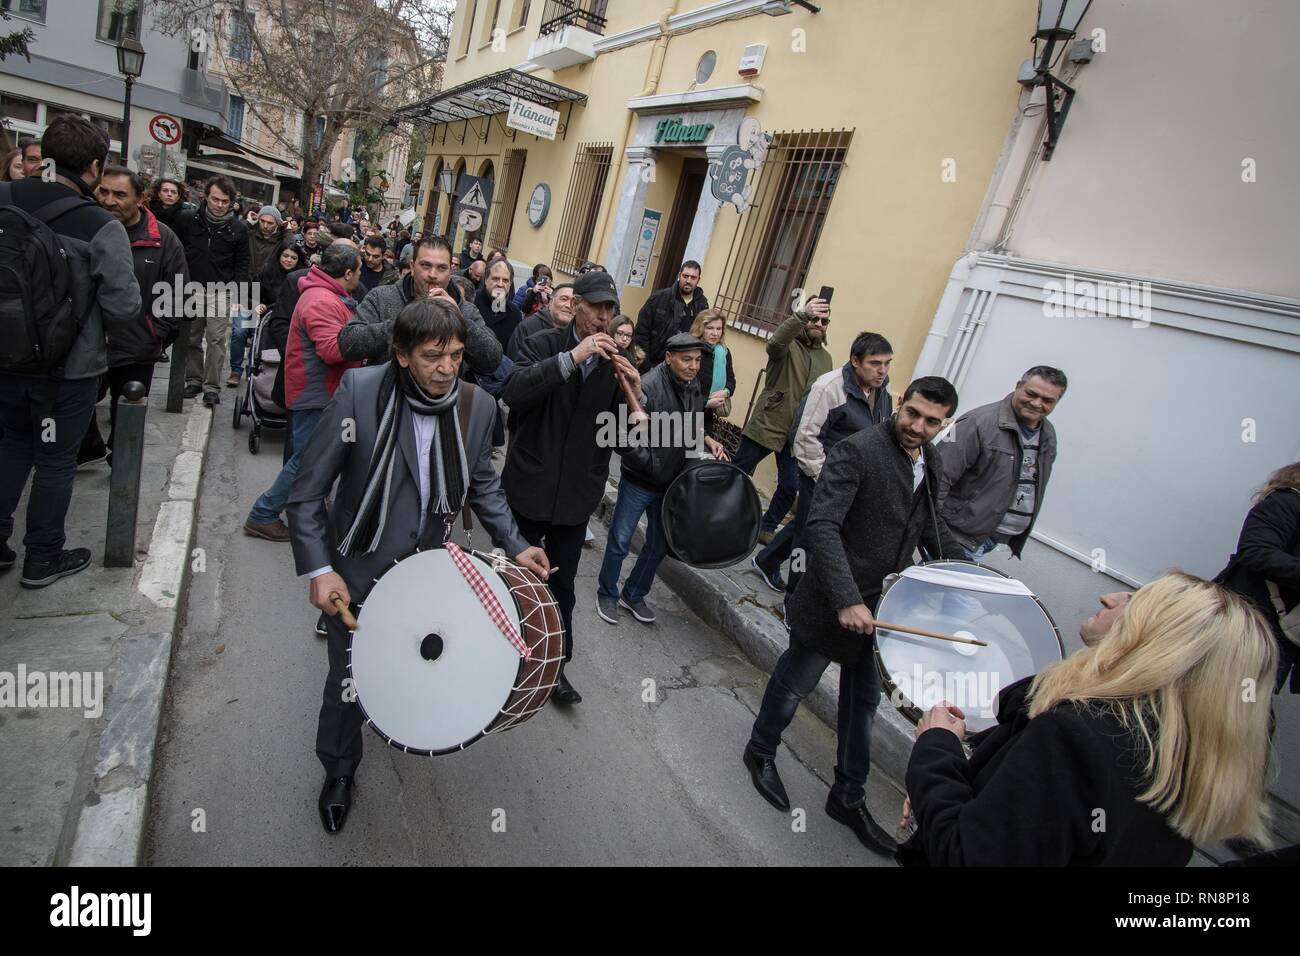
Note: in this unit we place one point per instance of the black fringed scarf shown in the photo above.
(448, 471)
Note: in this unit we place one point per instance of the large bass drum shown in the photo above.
(968, 600)
(711, 515)
(452, 645)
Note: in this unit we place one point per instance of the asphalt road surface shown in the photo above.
(614, 780)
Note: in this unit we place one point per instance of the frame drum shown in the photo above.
(919, 672)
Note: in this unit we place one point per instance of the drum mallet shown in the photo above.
(921, 632)
(348, 620)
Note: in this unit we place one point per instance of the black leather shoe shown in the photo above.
(869, 833)
(565, 693)
(762, 770)
(335, 802)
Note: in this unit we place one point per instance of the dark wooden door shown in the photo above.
(673, 248)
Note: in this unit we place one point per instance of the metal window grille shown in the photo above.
(587, 14)
(582, 205)
(772, 249)
(506, 198)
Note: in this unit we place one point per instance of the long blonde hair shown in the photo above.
(1191, 667)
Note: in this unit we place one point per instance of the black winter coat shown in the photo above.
(663, 316)
(1269, 550)
(555, 469)
(654, 468)
(1030, 793)
(865, 521)
(167, 214)
(158, 257)
(216, 253)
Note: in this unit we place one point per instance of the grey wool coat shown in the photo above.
(315, 530)
(864, 524)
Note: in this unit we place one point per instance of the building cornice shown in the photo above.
(739, 93)
(693, 20)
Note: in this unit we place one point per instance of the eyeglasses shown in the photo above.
(819, 321)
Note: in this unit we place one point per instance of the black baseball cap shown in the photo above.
(596, 287)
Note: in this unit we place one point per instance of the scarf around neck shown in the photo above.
(719, 369)
(448, 470)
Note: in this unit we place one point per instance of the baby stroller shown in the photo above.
(261, 364)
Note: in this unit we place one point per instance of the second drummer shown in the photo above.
(392, 438)
(874, 501)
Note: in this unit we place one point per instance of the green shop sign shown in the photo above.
(673, 130)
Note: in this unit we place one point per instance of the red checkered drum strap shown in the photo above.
(483, 591)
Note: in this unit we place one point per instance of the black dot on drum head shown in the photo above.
(431, 647)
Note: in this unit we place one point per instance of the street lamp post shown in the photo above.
(1057, 22)
(130, 63)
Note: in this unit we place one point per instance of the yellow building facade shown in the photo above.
(780, 147)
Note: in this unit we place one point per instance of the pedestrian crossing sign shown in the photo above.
(474, 197)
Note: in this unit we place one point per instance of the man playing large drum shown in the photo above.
(875, 501)
(393, 439)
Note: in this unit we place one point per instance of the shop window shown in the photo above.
(582, 205)
(117, 19)
(506, 199)
(25, 9)
(774, 246)
(15, 108)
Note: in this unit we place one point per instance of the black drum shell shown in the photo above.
(711, 515)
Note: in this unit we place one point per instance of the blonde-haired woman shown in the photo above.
(716, 377)
(1151, 738)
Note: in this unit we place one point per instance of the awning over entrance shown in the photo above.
(487, 96)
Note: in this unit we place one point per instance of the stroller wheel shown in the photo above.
(255, 439)
(239, 407)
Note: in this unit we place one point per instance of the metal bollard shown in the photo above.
(124, 482)
(176, 372)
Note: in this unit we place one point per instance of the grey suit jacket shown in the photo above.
(315, 531)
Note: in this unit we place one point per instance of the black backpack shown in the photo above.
(38, 320)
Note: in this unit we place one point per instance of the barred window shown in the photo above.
(582, 205)
(772, 249)
(506, 199)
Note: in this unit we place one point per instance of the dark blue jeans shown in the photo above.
(795, 676)
(269, 507)
(749, 456)
(239, 339)
(43, 426)
(788, 538)
(633, 501)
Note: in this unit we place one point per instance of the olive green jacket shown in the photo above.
(793, 363)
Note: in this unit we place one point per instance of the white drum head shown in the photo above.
(923, 671)
(432, 705)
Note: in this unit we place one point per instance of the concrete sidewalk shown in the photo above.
(75, 785)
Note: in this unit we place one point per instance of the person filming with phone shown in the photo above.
(796, 357)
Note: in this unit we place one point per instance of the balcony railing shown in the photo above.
(586, 14)
(200, 89)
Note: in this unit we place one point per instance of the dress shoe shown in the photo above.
(192, 391)
(565, 693)
(277, 530)
(335, 802)
(762, 770)
(868, 831)
(211, 398)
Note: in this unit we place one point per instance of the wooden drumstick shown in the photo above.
(921, 632)
(348, 620)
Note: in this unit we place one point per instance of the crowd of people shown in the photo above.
(419, 381)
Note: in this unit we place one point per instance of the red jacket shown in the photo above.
(313, 365)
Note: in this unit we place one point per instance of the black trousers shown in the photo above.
(338, 731)
(563, 546)
(114, 380)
